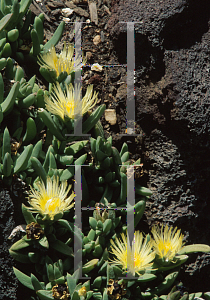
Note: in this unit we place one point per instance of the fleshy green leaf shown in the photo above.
(195, 248)
(61, 247)
(23, 278)
(22, 243)
(147, 277)
(71, 283)
(23, 258)
(76, 147)
(207, 295)
(35, 282)
(45, 295)
(75, 296)
(22, 161)
(93, 119)
(44, 242)
(67, 173)
(29, 218)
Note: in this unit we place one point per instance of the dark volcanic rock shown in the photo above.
(160, 25)
(8, 281)
(150, 16)
(11, 216)
(172, 108)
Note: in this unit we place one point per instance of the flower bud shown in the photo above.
(34, 231)
(82, 292)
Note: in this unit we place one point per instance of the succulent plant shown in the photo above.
(13, 164)
(56, 67)
(39, 147)
(20, 39)
(58, 286)
(40, 236)
(64, 105)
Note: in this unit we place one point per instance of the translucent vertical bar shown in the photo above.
(77, 82)
(78, 222)
(130, 213)
(78, 73)
(130, 217)
(130, 78)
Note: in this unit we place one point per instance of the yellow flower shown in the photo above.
(82, 291)
(68, 103)
(50, 200)
(135, 258)
(60, 62)
(167, 243)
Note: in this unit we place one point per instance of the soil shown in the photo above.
(172, 114)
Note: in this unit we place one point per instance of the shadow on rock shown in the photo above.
(185, 29)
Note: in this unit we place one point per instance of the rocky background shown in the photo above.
(173, 111)
(172, 47)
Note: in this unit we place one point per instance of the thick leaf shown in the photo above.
(87, 285)
(22, 243)
(56, 37)
(60, 280)
(29, 218)
(37, 149)
(23, 258)
(105, 296)
(195, 296)
(57, 273)
(76, 147)
(23, 278)
(75, 296)
(146, 277)
(4, 21)
(207, 295)
(93, 119)
(35, 282)
(76, 275)
(71, 283)
(97, 296)
(6, 147)
(50, 272)
(195, 248)
(67, 173)
(80, 161)
(61, 247)
(89, 266)
(22, 161)
(44, 242)
(89, 295)
(45, 295)
(66, 224)
(166, 284)
(39, 169)
(181, 259)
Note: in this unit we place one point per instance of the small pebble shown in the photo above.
(102, 36)
(66, 20)
(89, 55)
(96, 67)
(97, 40)
(66, 12)
(110, 116)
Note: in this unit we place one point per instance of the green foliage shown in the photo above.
(15, 30)
(39, 145)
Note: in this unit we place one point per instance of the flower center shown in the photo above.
(165, 248)
(138, 260)
(69, 106)
(55, 62)
(51, 204)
